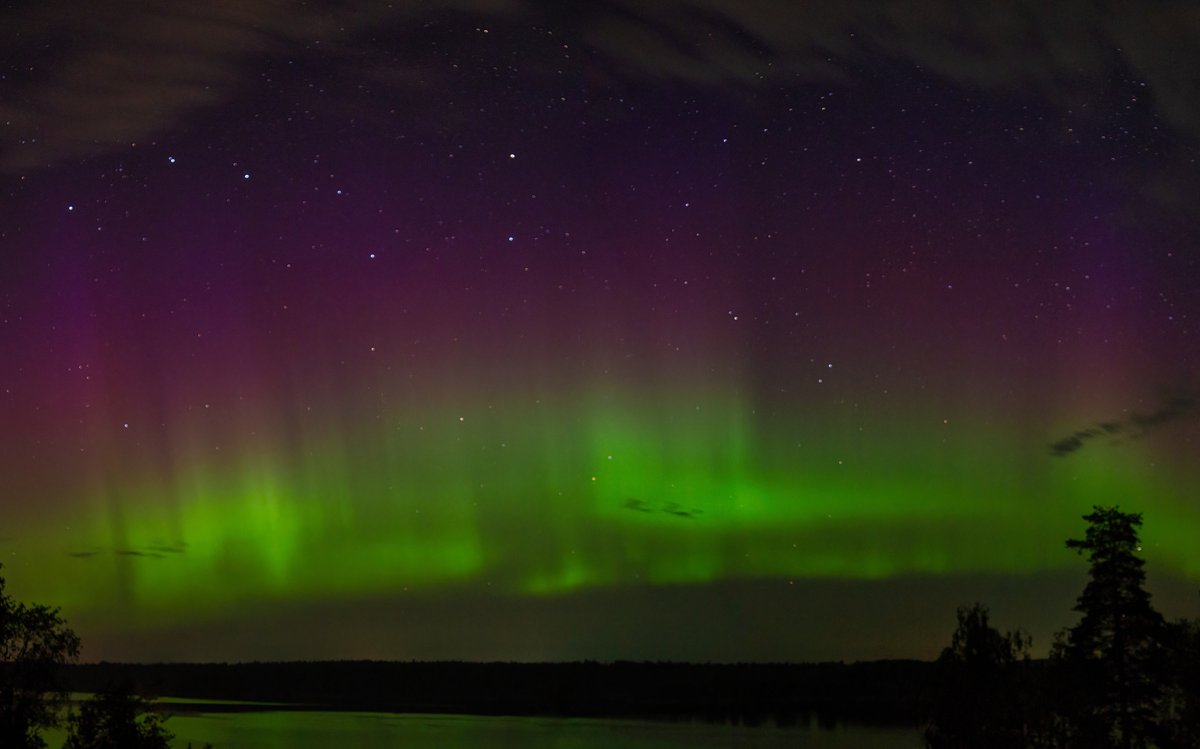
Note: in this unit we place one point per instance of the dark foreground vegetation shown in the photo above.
(1122, 678)
(35, 645)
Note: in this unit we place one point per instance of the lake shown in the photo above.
(269, 728)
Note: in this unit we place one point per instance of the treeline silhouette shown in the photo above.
(748, 694)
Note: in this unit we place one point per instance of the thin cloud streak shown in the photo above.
(133, 70)
(1134, 427)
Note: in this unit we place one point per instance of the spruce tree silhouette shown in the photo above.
(1115, 652)
(34, 643)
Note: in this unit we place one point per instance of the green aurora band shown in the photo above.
(604, 488)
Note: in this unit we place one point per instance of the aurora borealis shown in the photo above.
(491, 330)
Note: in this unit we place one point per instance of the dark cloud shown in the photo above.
(1173, 409)
(106, 75)
(1061, 50)
(1135, 426)
(667, 508)
(137, 553)
(177, 548)
(637, 505)
(673, 508)
(150, 552)
(99, 76)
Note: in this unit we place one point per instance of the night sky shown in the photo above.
(502, 329)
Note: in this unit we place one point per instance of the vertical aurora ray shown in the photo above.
(553, 339)
(607, 486)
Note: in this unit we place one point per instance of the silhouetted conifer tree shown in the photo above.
(1115, 652)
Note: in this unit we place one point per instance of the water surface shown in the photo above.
(289, 729)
